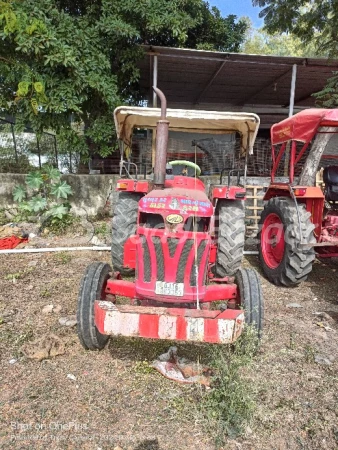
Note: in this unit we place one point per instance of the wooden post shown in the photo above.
(253, 212)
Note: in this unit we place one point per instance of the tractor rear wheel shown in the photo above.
(230, 220)
(92, 288)
(251, 298)
(123, 226)
(284, 262)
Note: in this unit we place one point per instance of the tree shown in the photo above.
(65, 62)
(313, 22)
(260, 42)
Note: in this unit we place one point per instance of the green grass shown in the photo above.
(101, 229)
(63, 257)
(67, 224)
(228, 408)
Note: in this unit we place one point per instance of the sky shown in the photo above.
(239, 8)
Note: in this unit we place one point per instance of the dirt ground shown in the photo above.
(101, 400)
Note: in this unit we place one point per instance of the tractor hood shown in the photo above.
(177, 200)
(190, 121)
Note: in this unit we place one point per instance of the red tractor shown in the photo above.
(184, 246)
(300, 218)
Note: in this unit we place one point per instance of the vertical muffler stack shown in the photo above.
(162, 134)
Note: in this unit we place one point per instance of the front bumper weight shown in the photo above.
(179, 324)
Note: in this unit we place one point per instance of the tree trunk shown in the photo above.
(308, 174)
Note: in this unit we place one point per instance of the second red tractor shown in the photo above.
(300, 218)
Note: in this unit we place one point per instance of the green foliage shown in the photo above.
(61, 190)
(58, 211)
(312, 22)
(66, 65)
(19, 193)
(260, 42)
(34, 179)
(45, 191)
(328, 97)
(229, 407)
(37, 204)
(101, 229)
(60, 225)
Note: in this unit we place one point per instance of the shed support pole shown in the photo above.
(293, 88)
(292, 104)
(153, 142)
(155, 80)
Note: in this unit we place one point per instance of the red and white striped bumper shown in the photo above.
(169, 323)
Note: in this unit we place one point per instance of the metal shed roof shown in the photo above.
(197, 79)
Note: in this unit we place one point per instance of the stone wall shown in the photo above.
(90, 192)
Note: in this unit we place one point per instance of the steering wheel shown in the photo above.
(187, 163)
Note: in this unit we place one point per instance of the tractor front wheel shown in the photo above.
(92, 288)
(284, 261)
(251, 298)
(230, 221)
(123, 226)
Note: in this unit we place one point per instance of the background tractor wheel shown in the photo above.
(230, 221)
(92, 288)
(251, 298)
(284, 262)
(123, 226)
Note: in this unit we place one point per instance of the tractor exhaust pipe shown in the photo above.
(162, 134)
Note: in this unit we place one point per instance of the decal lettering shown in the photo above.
(157, 205)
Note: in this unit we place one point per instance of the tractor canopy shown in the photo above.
(303, 125)
(190, 121)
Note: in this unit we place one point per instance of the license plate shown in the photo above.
(163, 288)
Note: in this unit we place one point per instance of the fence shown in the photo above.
(24, 150)
(211, 154)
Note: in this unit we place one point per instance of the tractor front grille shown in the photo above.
(158, 260)
(200, 252)
(182, 266)
(146, 260)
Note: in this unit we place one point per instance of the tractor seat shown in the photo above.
(330, 178)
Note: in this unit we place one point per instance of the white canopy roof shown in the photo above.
(191, 121)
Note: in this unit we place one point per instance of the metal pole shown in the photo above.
(292, 103)
(70, 162)
(293, 88)
(14, 141)
(56, 152)
(155, 81)
(38, 147)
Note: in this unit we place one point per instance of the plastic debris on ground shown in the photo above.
(11, 236)
(180, 369)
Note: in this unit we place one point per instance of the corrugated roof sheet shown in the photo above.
(252, 83)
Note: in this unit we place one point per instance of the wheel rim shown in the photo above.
(272, 241)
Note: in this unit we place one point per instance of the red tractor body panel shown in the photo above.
(171, 258)
(228, 193)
